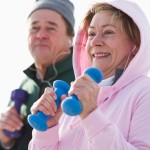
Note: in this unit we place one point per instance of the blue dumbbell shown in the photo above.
(19, 97)
(71, 105)
(38, 121)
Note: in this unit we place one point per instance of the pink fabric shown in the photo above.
(80, 60)
(119, 123)
(122, 118)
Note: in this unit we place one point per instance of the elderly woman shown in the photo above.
(113, 37)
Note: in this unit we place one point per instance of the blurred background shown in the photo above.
(14, 53)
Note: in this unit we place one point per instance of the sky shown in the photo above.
(15, 56)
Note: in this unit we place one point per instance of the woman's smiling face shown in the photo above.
(108, 46)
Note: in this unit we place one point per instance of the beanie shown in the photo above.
(63, 7)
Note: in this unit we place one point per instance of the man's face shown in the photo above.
(48, 39)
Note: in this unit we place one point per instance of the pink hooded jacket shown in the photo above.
(122, 118)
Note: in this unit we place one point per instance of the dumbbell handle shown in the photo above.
(71, 105)
(17, 106)
(19, 96)
(38, 121)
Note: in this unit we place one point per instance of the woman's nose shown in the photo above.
(97, 40)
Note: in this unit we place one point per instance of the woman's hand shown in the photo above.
(86, 89)
(47, 105)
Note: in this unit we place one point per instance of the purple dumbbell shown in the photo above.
(19, 97)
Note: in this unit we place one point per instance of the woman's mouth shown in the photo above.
(101, 55)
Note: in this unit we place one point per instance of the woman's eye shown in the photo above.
(91, 34)
(108, 33)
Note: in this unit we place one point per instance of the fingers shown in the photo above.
(81, 83)
(51, 91)
(77, 84)
(46, 103)
(51, 122)
(54, 120)
(10, 120)
(86, 89)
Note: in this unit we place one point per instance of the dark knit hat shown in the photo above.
(63, 7)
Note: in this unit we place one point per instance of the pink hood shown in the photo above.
(121, 120)
(139, 66)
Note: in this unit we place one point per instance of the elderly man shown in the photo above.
(51, 32)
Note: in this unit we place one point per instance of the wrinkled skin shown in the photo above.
(10, 120)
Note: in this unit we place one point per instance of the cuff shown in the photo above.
(51, 134)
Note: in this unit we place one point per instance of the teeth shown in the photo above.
(101, 55)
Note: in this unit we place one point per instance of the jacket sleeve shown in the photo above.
(47, 140)
(103, 134)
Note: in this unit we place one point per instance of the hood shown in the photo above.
(139, 65)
